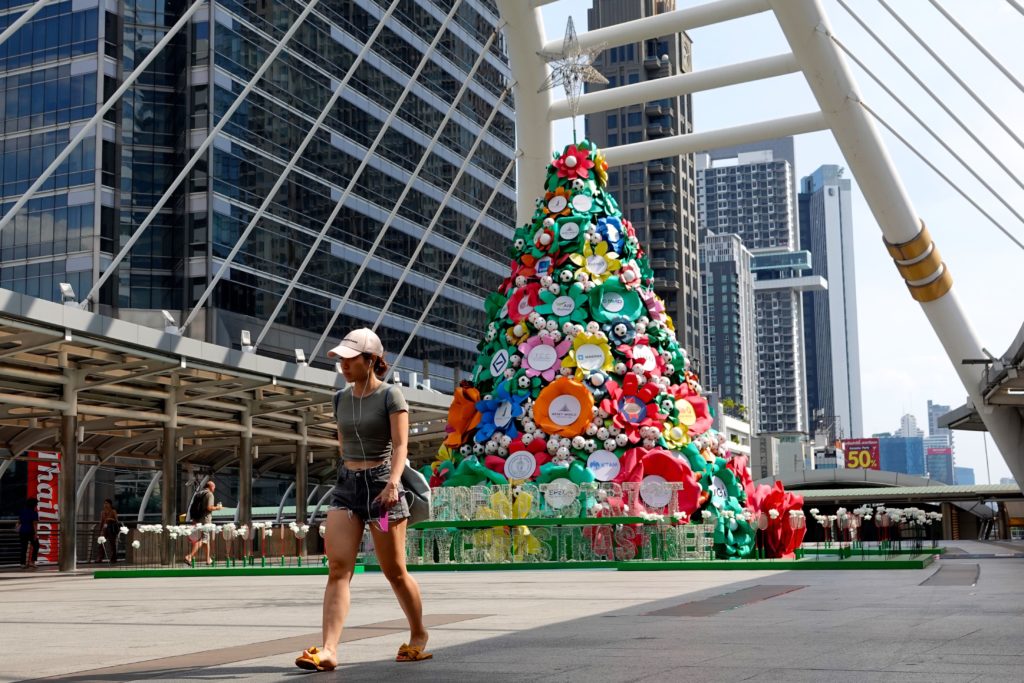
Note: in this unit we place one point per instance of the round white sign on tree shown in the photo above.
(604, 465)
(520, 465)
(564, 410)
(655, 491)
(590, 356)
(561, 493)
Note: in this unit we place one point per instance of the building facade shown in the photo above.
(903, 454)
(730, 344)
(659, 196)
(750, 191)
(830, 316)
(62, 64)
(939, 458)
(963, 476)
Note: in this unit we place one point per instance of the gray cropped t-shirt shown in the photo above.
(365, 423)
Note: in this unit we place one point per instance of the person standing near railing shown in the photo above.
(28, 519)
(109, 529)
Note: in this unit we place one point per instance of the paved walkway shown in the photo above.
(911, 625)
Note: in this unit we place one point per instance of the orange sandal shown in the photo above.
(411, 653)
(310, 661)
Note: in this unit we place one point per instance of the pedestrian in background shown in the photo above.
(28, 519)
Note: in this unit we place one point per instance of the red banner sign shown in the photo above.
(43, 486)
(862, 454)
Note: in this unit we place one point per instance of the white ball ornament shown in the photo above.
(610, 444)
(581, 276)
(597, 379)
(567, 328)
(526, 438)
(650, 443)
(515, 359)
(578, 184)
(563, 452)
(478, 448)
(554, 288)
(539, 322)
(556, 336)
(590, 445)
(552, 446)
(571, 162)
(491, 448)
(627, 276)
(614, 431)
(591, 430)
(577, 329)
(593, 327)
(505, 440)
(621, 440)
(578, 442)
(520, 280)
(544, 239)
(603, 433)
(641, 328)
(519, 243)
(549, 222)
(565, 372)
(509, 373)
(620, 368)
(502, 451)
(565, 276)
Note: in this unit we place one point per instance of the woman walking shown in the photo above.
(373, 434)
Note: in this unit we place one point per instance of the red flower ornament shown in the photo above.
(633, 406)
(575, 163)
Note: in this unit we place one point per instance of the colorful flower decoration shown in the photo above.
(674, 469)
(542, 356)
(611, 301)
(641, 353)
(568, 306)
(564, 408)
(693, 409)
(655, 306)
(571, 232)
(620, 331)
(676, 435)
(557, 203)
(497, 414)
(597, 382)
(463, 416)
(544, 242)
(600, 168)
(589, 352)
(518, 333)
(632, 406)
(629, 274)
(574, 163)
(610, 230)
(780, 538)
(523, 301)
(597, 261)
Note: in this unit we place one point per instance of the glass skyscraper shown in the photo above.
(63, 63)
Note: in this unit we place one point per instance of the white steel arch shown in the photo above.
(813, 52)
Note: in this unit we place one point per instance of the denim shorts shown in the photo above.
(355, 490)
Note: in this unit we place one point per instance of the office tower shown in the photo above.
(939, 458)
(902, 454)
(658, 196)
(750, 191)
(730, 346)
(830, 317)
(59, 67)
(964, 476)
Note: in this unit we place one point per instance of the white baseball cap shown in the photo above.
(356, 342)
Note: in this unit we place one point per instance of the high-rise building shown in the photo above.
(730, 345)
(964, 476)
(60, 66)
(935, 411)
(939, 458)
(830, 316)
(902, 454)
(750, 191)
(908, 427)
(659, 196)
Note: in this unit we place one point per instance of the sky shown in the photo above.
(903, 365)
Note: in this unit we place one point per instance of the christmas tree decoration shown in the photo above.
(580, 378)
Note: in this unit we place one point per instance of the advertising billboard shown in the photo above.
(862, 454)
(43, 486)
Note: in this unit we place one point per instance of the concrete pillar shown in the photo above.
(68, 479)
(301, 476)
(169, 490)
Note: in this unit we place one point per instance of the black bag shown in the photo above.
(197, 508)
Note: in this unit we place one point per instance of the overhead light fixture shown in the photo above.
(300, 357)
(1015, 392)
(67, 293)
(247, 346)
(170, 324)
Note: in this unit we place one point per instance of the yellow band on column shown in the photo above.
(935, 289)
(912, 249)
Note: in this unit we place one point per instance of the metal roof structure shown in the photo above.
(123, 376)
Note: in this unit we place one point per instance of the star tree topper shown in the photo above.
(571, 68)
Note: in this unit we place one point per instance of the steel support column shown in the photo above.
(244, 515)
(301, 475)
(168, 489)
(68, 478)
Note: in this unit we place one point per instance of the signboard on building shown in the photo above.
(862, 454)
(43, 486)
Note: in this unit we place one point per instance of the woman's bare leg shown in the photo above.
(390, 549)
(344, 533)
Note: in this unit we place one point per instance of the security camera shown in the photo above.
(67, 293)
